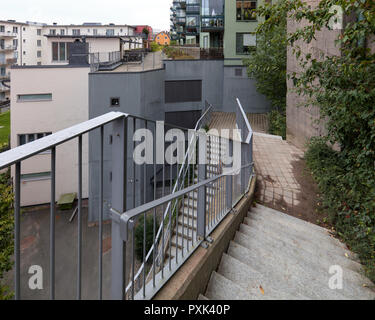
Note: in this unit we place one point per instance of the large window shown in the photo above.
(34, 97)
(192, 21)
(110, 32)
(60, 51)
(183, 91)
(2, 28)
(212, 7)
(76, 32)
(245, 10)
(245, 43)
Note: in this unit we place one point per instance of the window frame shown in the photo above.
(242, 19)
(50, 97)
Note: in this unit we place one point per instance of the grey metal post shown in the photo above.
(202, 174)
(229, 179)
(119, 182)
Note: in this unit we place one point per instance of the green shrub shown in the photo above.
(155, 47)
(6, 231)
(348, 196)
(139, 235)
(277, 123)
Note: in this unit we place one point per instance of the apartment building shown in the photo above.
(224, 24)
(32, 43)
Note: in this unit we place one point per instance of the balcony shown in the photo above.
(212, 23)
(181, 20)
(11, 61)
(5, 76)
(8, 48)
(4, 88)
(201, 195)
(193, 9)
(8, 34)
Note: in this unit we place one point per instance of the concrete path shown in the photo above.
(278, 257)
(273, 159)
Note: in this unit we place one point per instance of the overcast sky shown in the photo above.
(132, 12)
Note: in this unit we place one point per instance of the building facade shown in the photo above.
(163, 39)
(32, 43)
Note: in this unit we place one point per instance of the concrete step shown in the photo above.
(296, 261)
(221, 288)
(316, 259)
(282, 275)
(202, 298)
(276, 217)
(183, 233)
(247, 277)
(302, 241)
(188, 224)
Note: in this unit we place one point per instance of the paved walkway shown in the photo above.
(273, 159)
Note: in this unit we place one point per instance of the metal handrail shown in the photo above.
(182, 173)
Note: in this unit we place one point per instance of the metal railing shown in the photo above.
(184, 172)
(206, 192)
(103, 59)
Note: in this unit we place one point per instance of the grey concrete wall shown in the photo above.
(141, 94)
(211, 74)
(244, 88)
(220, 86)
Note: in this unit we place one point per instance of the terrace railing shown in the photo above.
(227, 186)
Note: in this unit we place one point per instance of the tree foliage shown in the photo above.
(267, 64)
(6, 231)
(342, 86)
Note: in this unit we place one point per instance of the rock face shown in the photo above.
(278, 257)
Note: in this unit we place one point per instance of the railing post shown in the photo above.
(229, 178)
(119, 183)
(202, 174)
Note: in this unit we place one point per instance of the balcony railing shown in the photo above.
(204, 174)
(5, 76)
(8, 34)
(8, 48)
(104, 60)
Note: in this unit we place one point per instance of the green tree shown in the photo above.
(6, 231)
(267, 64)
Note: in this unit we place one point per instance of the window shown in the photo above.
(36, 176)
(39, 43)
(34, 97)
(39, 63)
(38, 32)
(39, 54)
(95, 32)
(110, 32)
(62, 32)
(52, 32)
(115, 102)
(245, 43)
(2, 29)
(15, 43)
(76, 32)
(2, 43)
(26, 138)
(60, 51)
(24, 53)
(183, 91)
(15, 29)
(24, 40)
(245, 10)
(238, 72)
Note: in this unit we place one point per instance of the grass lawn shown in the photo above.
(4, 127)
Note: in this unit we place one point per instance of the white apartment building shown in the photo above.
(34, 43)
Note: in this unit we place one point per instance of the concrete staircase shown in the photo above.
(275, 256)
